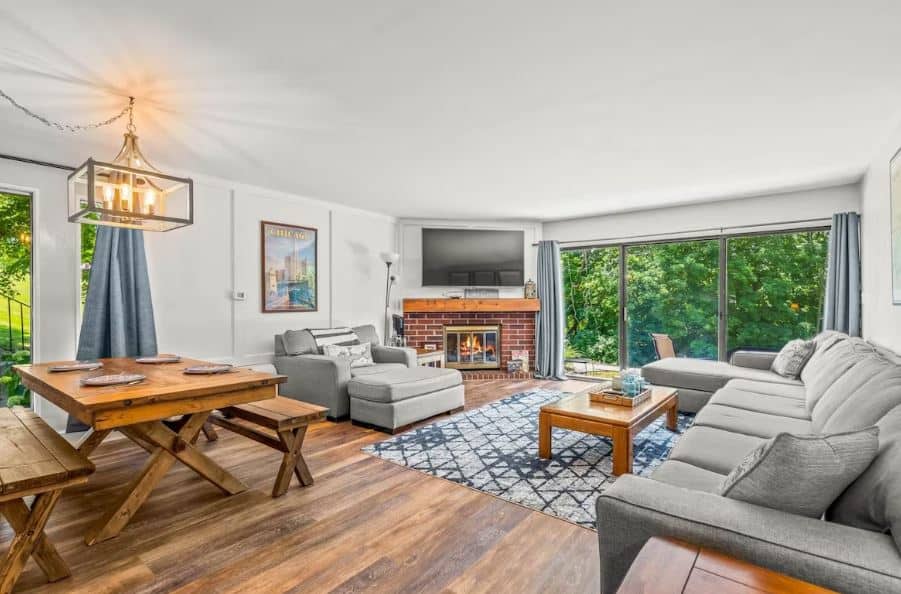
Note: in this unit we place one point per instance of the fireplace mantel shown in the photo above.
(420, 305)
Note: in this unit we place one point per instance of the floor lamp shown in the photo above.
(388, 258)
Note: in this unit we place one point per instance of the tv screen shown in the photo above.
(472, 258)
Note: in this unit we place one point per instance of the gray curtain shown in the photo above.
(118, 313)
(549, 324)
(842, 302)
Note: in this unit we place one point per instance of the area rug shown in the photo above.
(494, 449)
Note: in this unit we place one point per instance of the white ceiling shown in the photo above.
(467, 108)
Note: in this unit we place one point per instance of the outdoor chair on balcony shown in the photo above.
(663, 346)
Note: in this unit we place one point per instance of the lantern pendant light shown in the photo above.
(130, 192)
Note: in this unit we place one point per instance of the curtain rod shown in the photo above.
(649, 236)
(36, 162)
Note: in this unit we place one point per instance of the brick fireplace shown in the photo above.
(426, 319)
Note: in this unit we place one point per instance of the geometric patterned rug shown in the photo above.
(494, 449)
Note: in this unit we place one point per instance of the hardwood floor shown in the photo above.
(365, 525)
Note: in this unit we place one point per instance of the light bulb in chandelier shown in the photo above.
(129, 191)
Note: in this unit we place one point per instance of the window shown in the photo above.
(712, 296)
(591, 290)
(672, 288)
(15, 295)
(776, 285)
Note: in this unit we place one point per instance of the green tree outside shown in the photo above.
(775, 285)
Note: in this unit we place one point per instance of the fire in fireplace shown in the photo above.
(472, 347)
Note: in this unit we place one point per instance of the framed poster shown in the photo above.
(895, 217)
(290, 276)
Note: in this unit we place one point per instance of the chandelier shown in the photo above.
(129, 191)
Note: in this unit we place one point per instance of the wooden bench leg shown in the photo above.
(27, 540)
(292, 461)
(16, 513)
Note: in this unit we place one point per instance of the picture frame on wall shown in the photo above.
(290, 275)
(895, 218)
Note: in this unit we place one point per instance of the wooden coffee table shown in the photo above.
(619, 423)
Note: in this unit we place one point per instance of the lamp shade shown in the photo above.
(390, 257)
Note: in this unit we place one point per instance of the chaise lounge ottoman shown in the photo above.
(399, 397)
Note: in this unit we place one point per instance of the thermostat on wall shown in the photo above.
(239, 295)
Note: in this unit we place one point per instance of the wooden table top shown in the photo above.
(164, 383)
(670, 566)
(580, 406)
(33, 456)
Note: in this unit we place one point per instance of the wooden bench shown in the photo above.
(289, 419)
(34, 461)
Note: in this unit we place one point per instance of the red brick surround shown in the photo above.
(517, 330)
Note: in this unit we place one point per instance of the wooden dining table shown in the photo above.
(138, 411)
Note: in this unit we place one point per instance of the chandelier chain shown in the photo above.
(65, 127)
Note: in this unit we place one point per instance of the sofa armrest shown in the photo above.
(386, 354)
(318, 379)
(753, 359)
(825, 553)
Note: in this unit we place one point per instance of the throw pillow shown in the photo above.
(360, 355)
(802, 474)
(793, 357)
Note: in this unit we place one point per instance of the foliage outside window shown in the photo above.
(15, 295)
(775, 287)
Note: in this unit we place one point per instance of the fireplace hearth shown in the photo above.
(472, 347)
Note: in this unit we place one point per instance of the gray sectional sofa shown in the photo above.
(847, 384)
(323, 380)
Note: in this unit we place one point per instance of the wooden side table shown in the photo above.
(669, 566)
(427, 358)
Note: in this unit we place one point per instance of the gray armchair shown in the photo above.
(323, 380)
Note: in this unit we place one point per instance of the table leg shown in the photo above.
(167, 446)
(26, 541)
(622, 451)
(672, 418)
(544, 435)
(90, 442)
(292, 462)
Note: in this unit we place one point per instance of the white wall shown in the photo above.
(194, 270)
(55, 273)
(410, 242)
(758, 210)
(881, 319)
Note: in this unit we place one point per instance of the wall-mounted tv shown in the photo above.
(472, 258)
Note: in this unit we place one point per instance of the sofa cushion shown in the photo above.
(760, 402)
(802, 475)
(401, 384)
(688, 476)
(367, 333)
(749, 422)
(873, 501)
(868, 404)
(299, 342)
(375, 369)
(833, 364)
(792, 358)
(795, 391)
(712, 449)
(822, 343)
(359, 355)
(702, 374)
(851, 382)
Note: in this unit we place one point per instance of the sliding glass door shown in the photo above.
(672, 288)
(711, 296)
(591, 290)
(776, 284)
